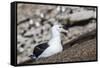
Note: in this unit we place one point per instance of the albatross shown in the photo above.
(53, 46)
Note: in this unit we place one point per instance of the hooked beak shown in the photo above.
(62, 30)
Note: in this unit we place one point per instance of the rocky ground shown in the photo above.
(79, 44)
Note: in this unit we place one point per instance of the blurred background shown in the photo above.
(34, 24)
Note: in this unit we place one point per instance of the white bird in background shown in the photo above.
(53, 46)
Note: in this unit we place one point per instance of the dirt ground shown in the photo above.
(83, 51)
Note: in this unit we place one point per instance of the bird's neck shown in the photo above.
(55, 34)
(56, 37)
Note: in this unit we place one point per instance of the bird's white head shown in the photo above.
(57, 28)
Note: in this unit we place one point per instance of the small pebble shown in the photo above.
(31, 21)
(41, 15)
(37, 24)
(21, 49)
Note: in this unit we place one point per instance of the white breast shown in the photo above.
(55, 47)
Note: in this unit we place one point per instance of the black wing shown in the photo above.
(39, 49)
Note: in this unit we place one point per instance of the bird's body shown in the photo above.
(50, 48)
(54, 47)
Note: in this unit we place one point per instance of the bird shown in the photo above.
(53, 46)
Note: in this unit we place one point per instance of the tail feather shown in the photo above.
(33, 57)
